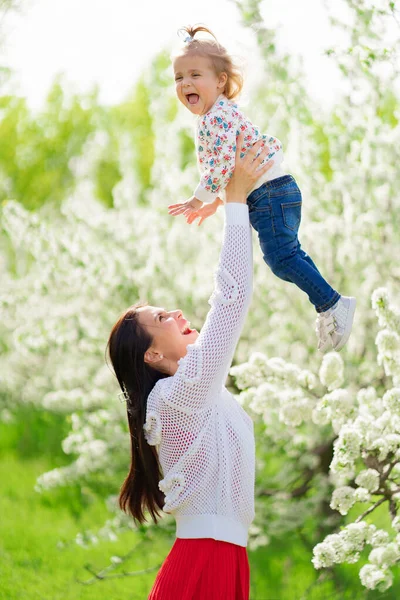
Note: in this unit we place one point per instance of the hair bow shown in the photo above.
(185, 36)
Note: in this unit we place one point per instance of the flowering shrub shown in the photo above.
(362, 428)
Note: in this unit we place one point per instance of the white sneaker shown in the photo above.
(334, 325)
(324, 329)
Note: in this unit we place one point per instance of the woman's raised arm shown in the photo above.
(204, 369)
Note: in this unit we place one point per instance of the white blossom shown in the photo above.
(343, 499)
(380, 447)
(355, 535)
(331, 372)
(380, 298)
(379, 538)
(369, 479)
(374, 578)
(324, 556)
(362, 495)
(367, 396)
(385, 556)
(391, 400)
(321, 414)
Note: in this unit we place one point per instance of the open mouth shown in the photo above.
(192, 98)
(187, 330)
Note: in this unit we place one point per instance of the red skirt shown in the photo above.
(201, 568)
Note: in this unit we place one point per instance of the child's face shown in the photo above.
(197, 84)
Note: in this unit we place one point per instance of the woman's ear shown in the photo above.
(223, 78)
(151, 357)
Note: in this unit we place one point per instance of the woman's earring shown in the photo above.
(161, 356)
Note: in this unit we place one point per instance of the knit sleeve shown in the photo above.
(218, 147)
(204, 369)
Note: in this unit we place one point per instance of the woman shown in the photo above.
(186, 426)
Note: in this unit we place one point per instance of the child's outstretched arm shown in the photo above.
(186, 208)
(217, 148)
(207, 210)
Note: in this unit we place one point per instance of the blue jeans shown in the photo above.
(275, 213)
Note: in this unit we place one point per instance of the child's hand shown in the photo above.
(186, 208)
(204, 212)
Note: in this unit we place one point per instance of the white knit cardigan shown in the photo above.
(204, 438)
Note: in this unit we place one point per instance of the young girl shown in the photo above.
(206, 83)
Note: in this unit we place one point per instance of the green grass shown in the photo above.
(35, 566)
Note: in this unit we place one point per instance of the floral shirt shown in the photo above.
(216, 147)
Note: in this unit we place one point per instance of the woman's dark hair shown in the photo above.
(127, 345)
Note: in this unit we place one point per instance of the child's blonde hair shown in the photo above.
(219, 57)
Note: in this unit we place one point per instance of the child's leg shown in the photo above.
(275, 213)
(307, 258)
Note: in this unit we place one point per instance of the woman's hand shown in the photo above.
(247, 170)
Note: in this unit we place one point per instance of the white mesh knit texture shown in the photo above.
(205, 438)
